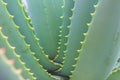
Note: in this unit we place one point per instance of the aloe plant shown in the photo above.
(59, 40)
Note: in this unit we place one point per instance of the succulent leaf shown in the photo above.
(10, 53)
(60, 39)
(78, 26)
(115, 75)
(11, 30)
(99, 53)
(7, 68)
(46, 21)
(67, 7)
(20, 18)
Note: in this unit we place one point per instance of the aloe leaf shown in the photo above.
(102, 43)
(45, 16)
(54, 12)
(11, 30)
(80, 17)
(64, 29)
(16, 8)
(10, 53)
(115, 75)
(7, 68)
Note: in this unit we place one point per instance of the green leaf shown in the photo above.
(11, 30)
(45, 16)
(115, 75)
(11, 54)
(7, 70)
(16, 8)
(101, 46)
(64, 29)
(78, 25)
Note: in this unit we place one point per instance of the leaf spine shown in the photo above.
(78, 51)
(65, 44)
(2, 50)
(85, 34)
(62, 7)
(18, 56)
(61, 17)
(76, 58)
(11, 62)
(66, 36)
(59, 35)
(58, 47)
(4, 3)
(70, 18)
(68, 27)
(61, 27)
(72, 9)
(73, 66)
(92, 14)
(11, 16)
(95, 6)
(59, 43)
(88, 24)
(5, 37)
(19, 71)
(82, 42)
(27, 69)
(0, 28)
